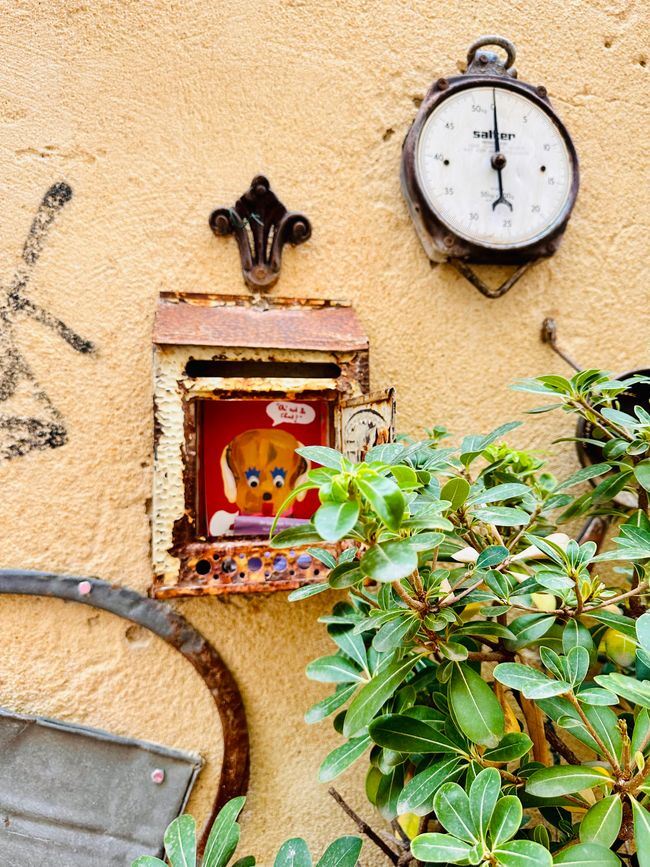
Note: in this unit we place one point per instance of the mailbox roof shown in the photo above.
(188, 319)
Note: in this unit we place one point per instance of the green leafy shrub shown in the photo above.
(495, 679)
(181, 846)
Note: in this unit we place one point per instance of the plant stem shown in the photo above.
(364, 827)
(635, 591)
(558, 744)
(417, 585)
(451, 600)
(592, 731)
(489, 656)
(412, 603)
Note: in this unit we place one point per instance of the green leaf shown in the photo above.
(180, 842)
(576, 634)
(346, 574)
(622, 624)
(506, 819)
(384, 496)
(295, 852)
(592, 695)
(405, 477)
(530, 628)
(407, 735)
(484, 627)
(307, 591)
(439, 849)
(328, 705)
(219, 848)
(512, 746)
(456, 491)
(587, 855)
(641, 832)
(499, 493)
(333, 669)
(325, 557)
(636, 691)
(246, 861)
(564, 780)
(302, 534)
(335, 520)
(642, 474)
(492, 556)
(343, 852)
(388, 792)
(601, 823)
(584, 475)
(148, 861)
(349, 642)
(391, 634)
(475, 706)
(322, 455)
(425, 541)
(342, 757)
(529, 681)
(502, 516)
(452, 810)
(373, 695)
(643, 631)
(483, 796)
(577, 665)
(390, 561)
(424, 785)
(641, 733)
(523, 853)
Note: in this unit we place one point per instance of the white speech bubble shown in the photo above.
(288, 412)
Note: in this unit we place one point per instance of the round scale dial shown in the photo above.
(494, 167)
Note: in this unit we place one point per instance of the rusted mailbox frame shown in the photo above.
(278, 343)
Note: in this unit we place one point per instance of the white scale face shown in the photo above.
(455, 163)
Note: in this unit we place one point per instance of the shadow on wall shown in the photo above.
(31, 420)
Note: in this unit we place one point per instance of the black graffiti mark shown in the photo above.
(45, 428)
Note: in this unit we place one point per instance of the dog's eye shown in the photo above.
(278, 481)
(253, 477)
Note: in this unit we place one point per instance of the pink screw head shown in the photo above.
(84, 588)
(158, 776)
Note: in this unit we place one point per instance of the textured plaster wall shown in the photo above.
(157, 112)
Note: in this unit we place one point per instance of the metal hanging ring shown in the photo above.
(501, 41)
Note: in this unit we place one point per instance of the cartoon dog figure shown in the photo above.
(259, 468)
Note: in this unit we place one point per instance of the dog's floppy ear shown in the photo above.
(229, 483)
(303, 469)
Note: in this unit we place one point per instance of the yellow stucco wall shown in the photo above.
(157, 112)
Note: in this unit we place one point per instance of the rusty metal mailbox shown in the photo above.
(240, 383)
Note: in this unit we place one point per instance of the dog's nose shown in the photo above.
(266, 495)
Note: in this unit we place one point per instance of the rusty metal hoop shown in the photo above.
(501, 41)
(165, 622)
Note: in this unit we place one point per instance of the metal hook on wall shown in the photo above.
(549, 335)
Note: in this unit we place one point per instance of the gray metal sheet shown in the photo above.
(80, 797)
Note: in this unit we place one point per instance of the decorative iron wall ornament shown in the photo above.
(489, 171)
(161, 619)
(262, 226)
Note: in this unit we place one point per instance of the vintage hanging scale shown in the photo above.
(489, 171)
